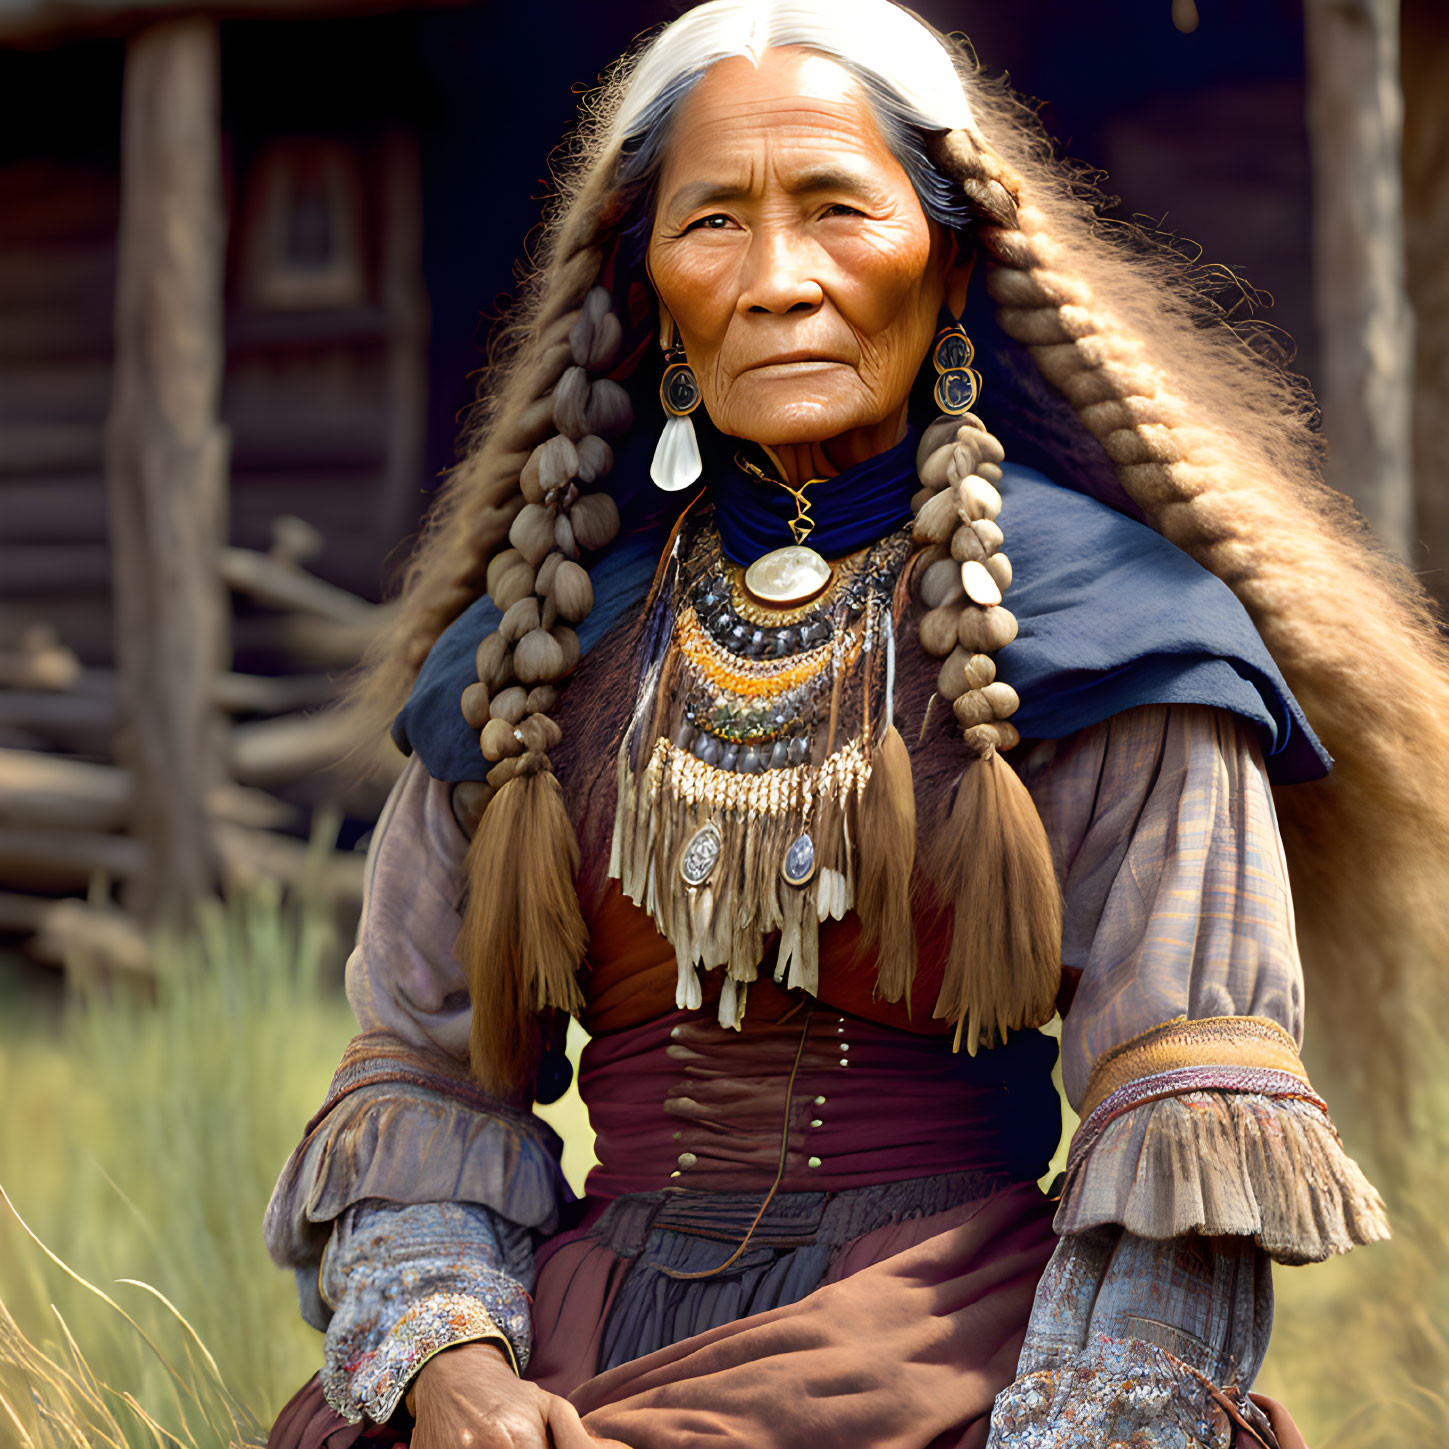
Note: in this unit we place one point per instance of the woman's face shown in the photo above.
(790, 249)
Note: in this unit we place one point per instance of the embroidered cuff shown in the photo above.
(1212, 1127)
(374, 1381)
(1220, 1044)
(407, 1281)
(1117, 1391)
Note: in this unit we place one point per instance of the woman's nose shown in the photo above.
(778, 275)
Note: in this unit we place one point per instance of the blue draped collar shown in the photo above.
(850, 510)
(1111, 615)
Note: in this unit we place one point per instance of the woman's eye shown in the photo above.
(715, 222)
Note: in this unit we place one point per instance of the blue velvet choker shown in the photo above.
(850, 510)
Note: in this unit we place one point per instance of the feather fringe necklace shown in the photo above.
(760, 752)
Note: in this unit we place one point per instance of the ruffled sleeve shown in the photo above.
(1180, 1051)
(403, 977)
(409, 1210)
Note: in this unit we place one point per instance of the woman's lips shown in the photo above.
(792, 366)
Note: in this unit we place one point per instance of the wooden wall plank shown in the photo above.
(27, 569)
(50, 447)
(52, 510)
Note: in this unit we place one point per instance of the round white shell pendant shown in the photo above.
(789, 575)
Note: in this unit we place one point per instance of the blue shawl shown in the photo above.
(1111, 616)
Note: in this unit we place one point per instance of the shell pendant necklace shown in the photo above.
(790, 576)
(743, 773)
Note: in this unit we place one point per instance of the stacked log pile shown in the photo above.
(129, 796)
(67, 851)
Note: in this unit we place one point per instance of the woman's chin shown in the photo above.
(796, 424)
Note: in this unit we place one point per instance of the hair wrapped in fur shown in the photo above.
(1146, 382)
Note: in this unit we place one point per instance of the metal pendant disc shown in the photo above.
(953, 351)
(701, 855)
(799, 863)
(679, 390)
(957, 390)
(786, 576)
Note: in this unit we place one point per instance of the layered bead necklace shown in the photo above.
(742, 774)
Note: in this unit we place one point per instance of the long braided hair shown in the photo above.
(1169, 409)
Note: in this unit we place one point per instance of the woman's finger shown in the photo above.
(566, 1429)
(1288, 1434)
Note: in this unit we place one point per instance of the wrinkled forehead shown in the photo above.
(789, 99)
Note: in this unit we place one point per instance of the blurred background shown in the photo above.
(250, 254)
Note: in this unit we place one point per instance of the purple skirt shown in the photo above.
(913, 1329)
(882, 1297)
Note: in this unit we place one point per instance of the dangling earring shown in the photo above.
(676, 457)
(958, 384)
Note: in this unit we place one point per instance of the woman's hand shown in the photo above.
(468, 1397)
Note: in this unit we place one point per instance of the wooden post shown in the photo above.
(1355, 124)
(1426, 230)
(167, 457)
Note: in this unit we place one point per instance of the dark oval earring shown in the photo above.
(676, 463)
(678, 388)
(958, 384)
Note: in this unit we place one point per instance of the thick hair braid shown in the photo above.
(1237, 489)
(956, 513)
(990, 858)
(480, 498)
(523, 935)
(537, 582)
(1164, 458)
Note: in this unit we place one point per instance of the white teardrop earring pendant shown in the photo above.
(676, 462)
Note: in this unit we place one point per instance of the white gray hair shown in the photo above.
(909, 80)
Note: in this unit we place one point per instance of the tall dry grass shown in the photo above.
(140, 1139)
(1360, 1347)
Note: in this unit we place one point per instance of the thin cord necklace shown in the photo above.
(792, 575)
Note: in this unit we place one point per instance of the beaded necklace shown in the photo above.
(742, 773)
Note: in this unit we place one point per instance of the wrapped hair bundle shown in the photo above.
(887, 855)
(989, 858)
(991, 861)
(523, 934)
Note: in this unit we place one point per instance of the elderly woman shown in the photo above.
(741, 759)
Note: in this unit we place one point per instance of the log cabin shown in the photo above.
(356, 180)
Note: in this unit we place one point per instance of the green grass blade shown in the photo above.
(26, 1442)
(99, 1293)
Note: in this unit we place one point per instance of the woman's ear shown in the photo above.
(666, 318)
(957, 280)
